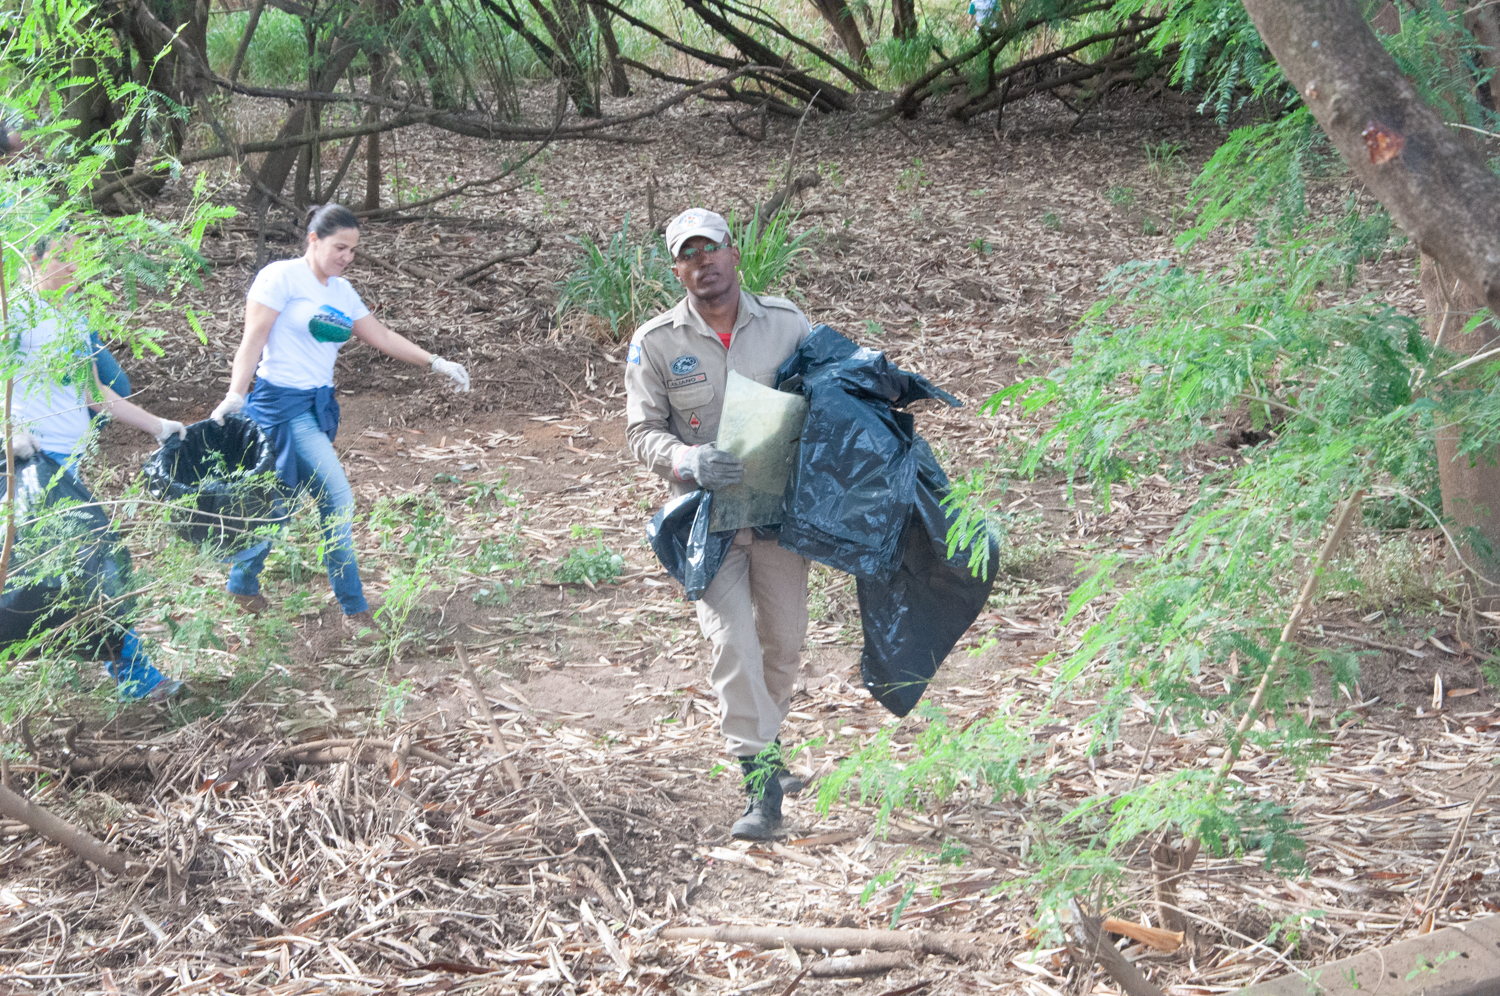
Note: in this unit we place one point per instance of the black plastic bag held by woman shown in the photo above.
(681, 539)
(67, 559)
(866, 498)
(227, 471)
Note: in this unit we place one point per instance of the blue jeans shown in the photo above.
(131, 668)
(318, 465)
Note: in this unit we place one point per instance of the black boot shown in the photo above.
(790, 783)
(763, 813)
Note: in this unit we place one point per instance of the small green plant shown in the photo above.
(874, 328)
(952, 853)
(596, 564)
(1121, 196)
(768, 250)
(621, 283)
(1148, 226)
(981, 247)
(1051, 222)
(913, 178)
(1426, 966)
(1162, 159)
(394, 700)
(831, 172)
(901, 904)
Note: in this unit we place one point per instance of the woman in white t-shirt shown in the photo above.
(298, 314)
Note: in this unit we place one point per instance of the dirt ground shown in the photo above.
(554, 861)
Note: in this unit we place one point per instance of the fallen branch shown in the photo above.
(333, 751)
(870, 963)
(504, 257)
(956, 946)
(1091, 947)
(489, 715)
(312, 752)
(1152, 937)
(792, 188)
(1439, 887)
(60, 831)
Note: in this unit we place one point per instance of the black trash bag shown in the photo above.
(855, 480)
(683, 543)
(866, 498)
(912, 620)
(67, 558)
(228, 471)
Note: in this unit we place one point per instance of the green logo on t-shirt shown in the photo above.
(330, 325)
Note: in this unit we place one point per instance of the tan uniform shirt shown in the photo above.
(677, 367)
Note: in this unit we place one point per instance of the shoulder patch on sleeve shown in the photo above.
(634, 355)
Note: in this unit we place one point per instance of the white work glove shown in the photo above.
(709, 467)
(456, 371)
(25, 445)
(233, 404)
(169, 429)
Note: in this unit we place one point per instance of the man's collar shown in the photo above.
(685, 314)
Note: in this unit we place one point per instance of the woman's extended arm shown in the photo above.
(133, 414)
(370, 329)
(258, 322)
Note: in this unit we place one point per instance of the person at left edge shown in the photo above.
(298, 315)
(55, 414)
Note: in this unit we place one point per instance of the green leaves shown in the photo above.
(621, 283)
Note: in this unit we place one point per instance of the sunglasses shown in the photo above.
(691, 254)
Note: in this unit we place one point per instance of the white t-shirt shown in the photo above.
(292, 357)
(54, 411)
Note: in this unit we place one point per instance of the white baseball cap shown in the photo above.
(695, 221)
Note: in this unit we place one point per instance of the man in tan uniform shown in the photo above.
(755, 611)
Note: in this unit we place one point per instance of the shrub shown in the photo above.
(767, 249)
(594, 565)
(620, 283)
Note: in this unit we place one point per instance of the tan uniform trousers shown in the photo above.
(755, 614)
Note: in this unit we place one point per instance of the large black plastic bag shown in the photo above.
(67, 557)
(680, 536)
(912, 620)
(228, 472)
(855, 480)
(866, 498)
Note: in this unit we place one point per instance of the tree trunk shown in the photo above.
(277, 166)
(904, 19)
(619, 83)
(1438, 188)
(841, 18)
(373, 177)
(1471, 488)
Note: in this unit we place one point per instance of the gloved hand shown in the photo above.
(24, 445)
(169, 429)
(709, 467)
(233, 404)
(456, 371)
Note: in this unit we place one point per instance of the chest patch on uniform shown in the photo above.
(696, 378)
(694, 422)
(684, 365)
